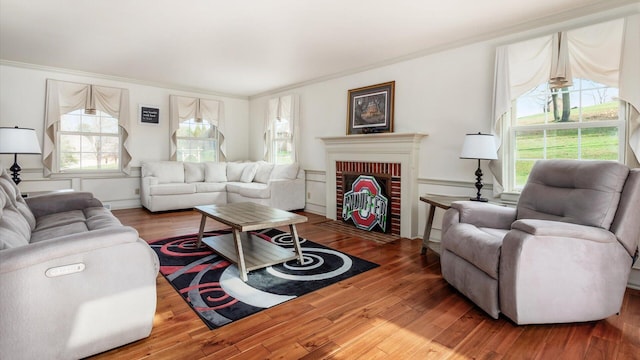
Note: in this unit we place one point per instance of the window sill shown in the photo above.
(89, 175)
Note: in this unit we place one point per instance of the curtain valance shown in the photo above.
(183, 108)
(63, 97)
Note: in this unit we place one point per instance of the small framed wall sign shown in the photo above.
(149, 114)
(371, 109)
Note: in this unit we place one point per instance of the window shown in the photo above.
(581, 121)
(91, 140)
(88, 142)
(589, 111)
(279, 130)
(197, 129)
(197, 141)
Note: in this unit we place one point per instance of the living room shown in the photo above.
(429, 85)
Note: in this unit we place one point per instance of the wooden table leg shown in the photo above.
(203, 221)
(237, 239)
(427, 229)
(296, 242)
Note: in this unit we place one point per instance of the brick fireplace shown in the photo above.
(388, 153)
(388, 171)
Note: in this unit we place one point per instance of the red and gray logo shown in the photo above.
(365, 204)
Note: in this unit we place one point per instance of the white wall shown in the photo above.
(445, 95)
(22, 99)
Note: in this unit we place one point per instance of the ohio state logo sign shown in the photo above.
(365, 204)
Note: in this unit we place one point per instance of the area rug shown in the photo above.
(212, 286)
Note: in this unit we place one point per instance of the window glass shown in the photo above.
(197, 141)
(89, 142)
(581, 121)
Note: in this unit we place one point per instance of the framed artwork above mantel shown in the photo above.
(370, 109)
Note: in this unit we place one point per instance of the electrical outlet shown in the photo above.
(137, 191)
(308, 195)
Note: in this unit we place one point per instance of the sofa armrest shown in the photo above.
(60, 202)
(60, 247)
(484, 214)
(288, 194)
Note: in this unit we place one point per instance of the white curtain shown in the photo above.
(183, 108)
(283, 107)
(63, 97)
(608, 53)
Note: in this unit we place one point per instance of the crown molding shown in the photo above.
(119, 78)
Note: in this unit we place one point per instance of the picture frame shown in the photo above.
(370, 109)
(148, 114)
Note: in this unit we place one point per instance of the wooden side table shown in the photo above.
(435, 201)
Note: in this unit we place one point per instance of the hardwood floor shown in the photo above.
(400, 310)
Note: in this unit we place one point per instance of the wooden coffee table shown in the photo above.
(247, 251)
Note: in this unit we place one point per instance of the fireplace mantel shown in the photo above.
(403, 148)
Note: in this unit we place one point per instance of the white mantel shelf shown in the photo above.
(403, 148)
(374, 138)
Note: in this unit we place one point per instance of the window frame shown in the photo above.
(59, 148)
(215, 137)
(510, 128)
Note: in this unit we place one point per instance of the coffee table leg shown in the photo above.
(296, 243)
(237, 239)
(203, 221)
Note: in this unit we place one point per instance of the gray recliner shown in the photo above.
(564, 254)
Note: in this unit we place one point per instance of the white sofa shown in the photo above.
(173, 185)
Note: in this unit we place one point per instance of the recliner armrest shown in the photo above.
(60, 202)
(484, 214)
(562, 229)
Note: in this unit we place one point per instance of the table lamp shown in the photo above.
(481, 147)
(15, 140)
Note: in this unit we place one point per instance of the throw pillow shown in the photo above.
(193, 172)
(264, 172)
(215, 171)
(234, 171)
(249, 173)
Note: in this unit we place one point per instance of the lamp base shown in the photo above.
(15, 170)
(479, 199)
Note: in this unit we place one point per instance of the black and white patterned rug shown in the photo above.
(212, 286)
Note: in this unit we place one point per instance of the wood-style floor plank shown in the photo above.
(400, 310)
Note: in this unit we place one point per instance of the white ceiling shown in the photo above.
(247, 47)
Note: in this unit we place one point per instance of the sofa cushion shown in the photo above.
(234, 171)
(10, 191)
(263, 173)
(100, 218)
(249, 172)
(165, 171)
(172, 189)
(193, 172)
(53, 220)
(250, 190)
(284, 171)
(206, 187)
(215, 172)
(57, 231)
(14, 228)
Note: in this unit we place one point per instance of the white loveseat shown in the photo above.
(173, 185)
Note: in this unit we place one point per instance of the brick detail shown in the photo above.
(373, 168)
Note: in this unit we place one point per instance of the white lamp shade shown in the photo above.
(479, 146)
(19, 141)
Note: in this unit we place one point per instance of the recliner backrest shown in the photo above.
(574, 191)
(626, 224)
